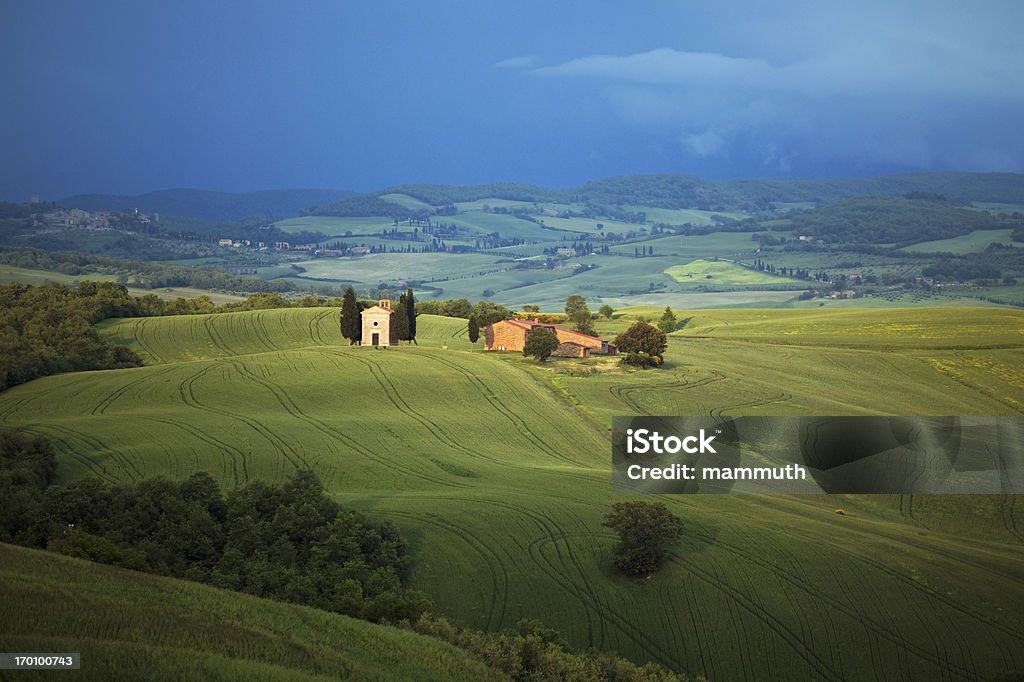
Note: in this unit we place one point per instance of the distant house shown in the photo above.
(565, 251)
(282, 245)
(510, 335)
(224, 242)
(359, 250)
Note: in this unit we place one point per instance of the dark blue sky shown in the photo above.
(123, 97)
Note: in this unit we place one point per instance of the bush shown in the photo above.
(540, 343)
(642, 360)
(642, 338)
(645, 532)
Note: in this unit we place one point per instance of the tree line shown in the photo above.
(145, 275)
(290, 542)
(49, 329)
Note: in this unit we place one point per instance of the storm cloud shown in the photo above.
(934, 85)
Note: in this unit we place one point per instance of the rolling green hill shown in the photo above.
(498, 472)
(725, 273)
(129, 625)
(670, 191)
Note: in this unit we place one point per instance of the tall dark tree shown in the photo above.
(410, 313)
(400, 322)
(474, 330)
(351, 324)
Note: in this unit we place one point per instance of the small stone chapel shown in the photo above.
(377, 324)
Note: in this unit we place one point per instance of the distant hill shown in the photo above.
(690, 192)
(216, 207)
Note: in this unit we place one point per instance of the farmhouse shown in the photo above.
(377, 325)
(510, 335)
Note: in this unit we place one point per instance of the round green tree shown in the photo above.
(645, 532)
(540, 343)
(643, 345)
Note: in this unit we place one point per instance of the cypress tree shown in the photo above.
(474, 330)
(351, 324)
(410, 313)
(399, 322)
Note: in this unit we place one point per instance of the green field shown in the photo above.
(682, 216)
(590, 225)
(969, 243)
(727, 274)
(406, 201)
(722, 244)
(337, 227)
(374, 267)
(497, 470)
(129, 625)
(10, 273)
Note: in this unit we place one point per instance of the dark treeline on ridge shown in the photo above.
(50, 329)
(687, 191)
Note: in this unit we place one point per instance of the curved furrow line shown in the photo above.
(624, 392)
(586, 595)
(402, 405)
(770, 622)
(736, 619)
(210, 324)
(899, 577)
(315, 326)
(1007, 510)
(780, 398)
(264, 333)
(141, 337)
(557, 575)
(850, 606)
(518, 422)
(705, 638)
(285, 359)
(495, 566)
(260, 331)
(187, 392)
(104, 404)
(124, 462)
(235, 453)
(71, 451)
(293, 409)
(13, 406)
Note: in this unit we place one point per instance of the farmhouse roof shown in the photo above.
(377, 308)
(529, 324)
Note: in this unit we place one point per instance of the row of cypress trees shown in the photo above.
(403, 324)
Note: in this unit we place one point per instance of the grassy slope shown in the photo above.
(723, 273)
(130, 625)
(969, 243)
(497, 470)
(10, 273)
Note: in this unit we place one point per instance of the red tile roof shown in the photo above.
(529, 324)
